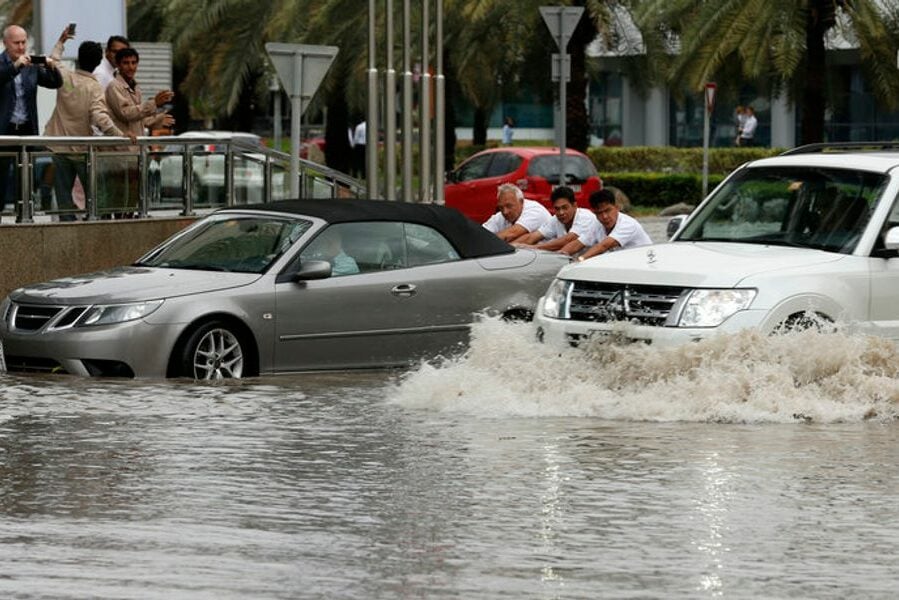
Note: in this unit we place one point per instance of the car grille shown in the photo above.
(35, 317)
(642, 304)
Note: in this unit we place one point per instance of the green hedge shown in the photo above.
(665, 159)
(660, 189)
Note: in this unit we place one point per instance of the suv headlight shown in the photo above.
(710, 308)
(107, 314)
(555, 301)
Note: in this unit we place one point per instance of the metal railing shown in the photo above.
(157, 176)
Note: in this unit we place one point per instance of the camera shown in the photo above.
(38, 59)
(71, 28)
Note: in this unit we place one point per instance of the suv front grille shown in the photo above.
(642, 304)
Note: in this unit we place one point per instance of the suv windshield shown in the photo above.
(247, 244)
(825, 209)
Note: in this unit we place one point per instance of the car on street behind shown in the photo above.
(471, 188)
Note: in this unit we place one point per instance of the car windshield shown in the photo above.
(825, 209)
(244, 243)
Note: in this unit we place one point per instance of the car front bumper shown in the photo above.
(569, 332)
(130, 349)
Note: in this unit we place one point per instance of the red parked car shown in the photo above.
(471, 188)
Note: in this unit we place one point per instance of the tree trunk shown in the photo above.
(338, 153)
(479, 133)
(577, 126)
(451, 89)
(813, 99)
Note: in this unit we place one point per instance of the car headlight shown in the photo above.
(555, 301)
(710, 308)
(107, 314)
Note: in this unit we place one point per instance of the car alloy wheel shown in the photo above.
(214, 352)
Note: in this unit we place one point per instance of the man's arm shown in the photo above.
(530, 239)
(603, 246)
(573, 247)
(511, 234)
(558, 243)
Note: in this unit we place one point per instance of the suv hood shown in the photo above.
(694, 264)
(129, 284)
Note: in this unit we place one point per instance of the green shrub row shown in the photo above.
(660, 189)
(666, 159)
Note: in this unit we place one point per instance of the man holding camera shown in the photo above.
(20, 74)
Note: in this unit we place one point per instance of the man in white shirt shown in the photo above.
(569, 231)
(515, 216)
(617, 230)
(750, 124)
(105, 71)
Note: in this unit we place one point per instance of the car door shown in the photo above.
(375, 315)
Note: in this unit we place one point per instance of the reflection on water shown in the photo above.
(739, 467)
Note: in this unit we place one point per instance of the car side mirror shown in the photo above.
(452, 177)
(674, 224)
(313, 269)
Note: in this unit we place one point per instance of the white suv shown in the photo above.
(805, 237)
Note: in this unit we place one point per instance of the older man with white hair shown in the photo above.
(20, 74)
(515, 217)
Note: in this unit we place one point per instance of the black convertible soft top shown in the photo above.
(469, 239)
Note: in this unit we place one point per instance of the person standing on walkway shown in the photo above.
(80, 104)
(19, 78)
(105, 71)
(132, 115)
(508, 130)
(750, 124)
(359, 155)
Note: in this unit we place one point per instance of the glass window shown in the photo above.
(826, 209)
(426, 246)
(474, 168)
(358, 247)
(230, 243)
(503, 163)
(577, 168)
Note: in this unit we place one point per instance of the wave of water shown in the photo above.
(743, 378)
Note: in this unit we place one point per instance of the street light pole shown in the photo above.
(390, 113)
(439, 112)
(371, 120)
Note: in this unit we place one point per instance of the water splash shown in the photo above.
(744, 378)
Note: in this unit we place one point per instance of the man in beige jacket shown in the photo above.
(79, 104)
(132, 115)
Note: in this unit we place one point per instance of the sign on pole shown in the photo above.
(301, 69)
(561, 21)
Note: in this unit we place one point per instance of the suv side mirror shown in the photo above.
(674, 224)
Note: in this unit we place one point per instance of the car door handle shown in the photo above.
(404, 289)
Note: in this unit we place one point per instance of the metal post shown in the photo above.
(26, 202)
(143, 200)
(187, 182)
(563, 108)
(390, 113)
(407, 104)
(229, 174)
(276, 90)
(296, 107)
(424, 110)
(91, 199)
(371, 120)
(440, 112)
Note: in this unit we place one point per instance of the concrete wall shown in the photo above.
(31, 253)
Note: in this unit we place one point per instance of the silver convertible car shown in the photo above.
(285, 287)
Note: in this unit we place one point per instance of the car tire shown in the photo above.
(214, 350)
(805, 321)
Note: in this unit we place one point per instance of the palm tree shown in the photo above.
(772, 39)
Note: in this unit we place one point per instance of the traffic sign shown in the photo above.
(561, 21)
(301, 67)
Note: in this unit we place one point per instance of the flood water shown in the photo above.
(743, 467)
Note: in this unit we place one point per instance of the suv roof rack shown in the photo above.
(842, 147)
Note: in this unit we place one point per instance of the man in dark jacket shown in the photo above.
(19, 78)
